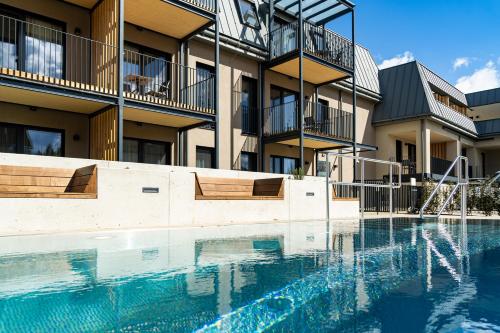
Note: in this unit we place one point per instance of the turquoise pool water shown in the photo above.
(377, 275)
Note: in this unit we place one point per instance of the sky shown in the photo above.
(457, 39)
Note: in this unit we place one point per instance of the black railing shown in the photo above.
(249, 119)
(407, 198)
(318, 41)
(440, 166)
(318, 119)
(157, 80)
(38, 53)
(205, 4)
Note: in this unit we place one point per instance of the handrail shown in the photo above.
(362, 184)
(459, 183)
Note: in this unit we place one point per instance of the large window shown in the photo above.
(283, 109)
(283, 164)
(248, 161)
(248, 13)
(35, 46)
(248, 105)
(146, 151)
(205, 157)
(22, 139)
(203, 89)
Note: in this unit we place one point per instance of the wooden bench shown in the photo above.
(35, 182)
(209, 188)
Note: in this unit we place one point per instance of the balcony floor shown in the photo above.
(315, 72)
(312, 141)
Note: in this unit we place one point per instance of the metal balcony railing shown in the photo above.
(38, 53)
(156, 80)
(318, 41)
(249, 119)
(440, 166)
(318, 119)
(204, 4)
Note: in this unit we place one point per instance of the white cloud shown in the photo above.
(461, 62)
(484, 78)
(397, 60)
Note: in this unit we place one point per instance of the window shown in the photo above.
(205, 157)
(203, 89)
(22, 139)
(147, 71)
(283, 110)
(248, 13)
(412, 152)
(399, 151)
(284, 165)
(146, 151)
(248, 105)
(248, 161)
(36, 46)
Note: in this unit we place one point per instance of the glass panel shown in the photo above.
(156, 70)
(130, 150)
(248, 105)
(8, 39)
(203, 87)
(44, 48)
(155, 153)
(204, 157)
(276, 164)
(39, 142)
(131, 69)
(248, 13)
(8, 139)
(289, 164)
(248, 161)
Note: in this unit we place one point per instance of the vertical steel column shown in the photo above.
(301, 81)
(362, 194)
(354, 138)
(121, 47)
(216, 83)
(260, 119)
(327, 187)
(390, 189)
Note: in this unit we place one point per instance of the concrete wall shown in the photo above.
(122, 204)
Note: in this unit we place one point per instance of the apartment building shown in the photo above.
(425, 122)
(184, 82)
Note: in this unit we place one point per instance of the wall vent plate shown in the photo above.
(309, 194)
(150, 190)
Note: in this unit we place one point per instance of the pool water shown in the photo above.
(385, 275)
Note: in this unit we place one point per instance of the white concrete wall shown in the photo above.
(121, 203)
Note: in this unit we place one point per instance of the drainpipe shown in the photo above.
(301, 86)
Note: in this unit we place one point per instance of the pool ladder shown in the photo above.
(462, 183)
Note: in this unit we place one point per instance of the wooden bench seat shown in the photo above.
(210, 188)
(35, 182)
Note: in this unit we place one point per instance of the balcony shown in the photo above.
(324, 127)
(327, 55)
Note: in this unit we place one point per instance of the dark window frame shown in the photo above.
(282, 162)
(20, 136)
(212, 154)
(254, 108)
(254, 164)
(23, 15)
(257, 26)
(140, 149)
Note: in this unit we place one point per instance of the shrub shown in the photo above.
(298, 174)
(427, 188)
(454, 203)
(472, 198)
(487, 200)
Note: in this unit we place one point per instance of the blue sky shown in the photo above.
(457, 39)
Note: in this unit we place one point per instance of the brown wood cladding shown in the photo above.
(209, 188)
(35, 182)
(104, 135)
(105, 21)
(438, 150)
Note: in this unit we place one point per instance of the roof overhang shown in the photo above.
(318, 12)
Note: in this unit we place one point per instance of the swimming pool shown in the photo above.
(377, 275)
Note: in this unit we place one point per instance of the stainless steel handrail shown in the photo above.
(362, 183)
(460, 183)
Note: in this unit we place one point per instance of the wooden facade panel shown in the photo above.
(438, 150)
(104, 59)
(209, 188)
(104, 135)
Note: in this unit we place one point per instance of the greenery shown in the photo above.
(454, 203)
(488, 200)
(427, 188)
(298, 174)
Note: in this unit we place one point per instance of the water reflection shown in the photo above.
(276, 277)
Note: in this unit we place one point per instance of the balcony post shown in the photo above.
(354, 138)
(260, 120)
(301, 80)
(121, 48)
(216, 85)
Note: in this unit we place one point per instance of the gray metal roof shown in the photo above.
(488, 127)
(485, 97)
(442, 85)
(366, 70)
(407, 94)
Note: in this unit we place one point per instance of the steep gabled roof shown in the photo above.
(407, 93)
